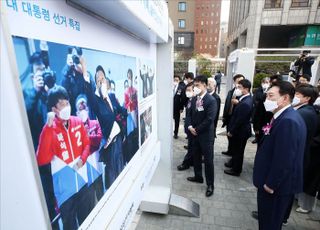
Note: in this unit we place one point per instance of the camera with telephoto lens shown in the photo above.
(49, 78)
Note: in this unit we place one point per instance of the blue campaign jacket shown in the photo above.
(279, 159)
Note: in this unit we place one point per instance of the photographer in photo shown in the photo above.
(304, 63)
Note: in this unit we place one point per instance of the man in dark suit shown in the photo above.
(303, 101)
(108, 111)
(178, 102)
(188, 159)
(201, 126)
(218, 77)
(212, 84)
(278, 165)
(239, 128)
(259, 115)
(230, 103)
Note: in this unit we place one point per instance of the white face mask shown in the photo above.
(104, 90)
(237, 92)
(175, 83)
(295, 101)
(185, 82)
(64, 114)
(83, 114)
(196, 90)
(189, 94)
(265, 86)
(270, 105)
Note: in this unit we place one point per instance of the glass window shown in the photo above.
(272, 4)
(182, 23)
(181, 40)
(182, 6)
(300, 3)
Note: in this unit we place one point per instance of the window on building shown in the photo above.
(201, 47)
(215, 39)
(182, 6)
(205, 46)
(211, 22)
(212, 5)
(212, 14)
(181, 40)
(182, 23)
(202, 23)
(272, 4)
(300, 3)
(201, 39)
(210, 47)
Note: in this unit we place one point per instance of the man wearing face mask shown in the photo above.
(65, 144)
(239, 128)
(212, 91)
(278, 165)
(178, 88)
(259, 115)
(109, 114)
(94, 167)
(201, 126)
(230, 102)
(188, 159)
(303, 101)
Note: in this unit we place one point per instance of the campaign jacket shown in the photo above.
(63, 148)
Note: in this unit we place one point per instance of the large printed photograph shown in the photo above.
(82, 108)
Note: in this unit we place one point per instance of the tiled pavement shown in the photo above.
(233, 200)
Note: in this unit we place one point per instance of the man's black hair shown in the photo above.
(245, 84)
(189, 84)
(285, 88)
(218, 71)
(308, 91)
(36, 58)
(177, 76)
(55, 94)
(306, 76)
(189, 75)
(276, 77)
(235, 77)
(202, 79)
(130, 71)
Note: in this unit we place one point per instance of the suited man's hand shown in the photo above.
(267, 189)
(234, 101)
(181, 110)
(229, 134)
(193, 131)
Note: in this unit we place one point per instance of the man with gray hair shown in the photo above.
(212, 84)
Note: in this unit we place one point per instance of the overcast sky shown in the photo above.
(225, 10)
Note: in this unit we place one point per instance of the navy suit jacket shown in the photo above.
(279, 159)
(203, 119)
(239, 125)
(105, 115)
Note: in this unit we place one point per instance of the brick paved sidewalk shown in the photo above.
(230, 206)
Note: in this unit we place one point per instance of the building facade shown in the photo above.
(273, 24)
(196, 27)
(207, 26)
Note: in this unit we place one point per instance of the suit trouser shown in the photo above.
(188, 158)
(237, 147)
(75, 208)
(176, 117)
(114, 162)
(200, 145)
(271, 209)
